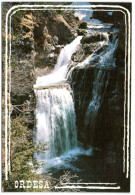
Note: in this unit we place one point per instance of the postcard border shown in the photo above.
(126, 139)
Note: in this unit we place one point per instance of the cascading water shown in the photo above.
(106, 60)
(54, 114)
(58, 75)
(55, 122)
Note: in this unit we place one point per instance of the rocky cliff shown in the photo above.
(98, 88)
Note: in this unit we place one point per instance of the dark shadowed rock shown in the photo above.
(94, 37)
(83, 25)
(109, 17)
(59, 27)
(71, 19)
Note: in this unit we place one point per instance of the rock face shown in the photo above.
(60, 28)
(98, 89)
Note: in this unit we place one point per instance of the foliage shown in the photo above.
(13, 63)
(23, 165)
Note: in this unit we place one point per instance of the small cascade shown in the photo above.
(99, 87)
(58, 75)
(105, 45)
(106, 61)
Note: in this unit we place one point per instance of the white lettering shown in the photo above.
(46, 185)
(16, 184)
(40, 184)
(22, 184)
(29, 184)
(35, 184)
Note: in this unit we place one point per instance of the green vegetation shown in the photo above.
(13, 63)
(23, 165)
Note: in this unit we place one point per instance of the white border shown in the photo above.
(45, 6)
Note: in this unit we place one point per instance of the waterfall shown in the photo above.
(55, 122)
(54, 115)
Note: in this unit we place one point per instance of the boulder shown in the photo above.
(83, 25)
(70, 18)
(60, 28)
(94, 37)
(90, 48)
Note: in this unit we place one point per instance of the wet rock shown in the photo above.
(90, 48)
(79, 55)
(94, 37)
(104, 131)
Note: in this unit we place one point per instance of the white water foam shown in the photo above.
(65, 161)
(55, 122)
